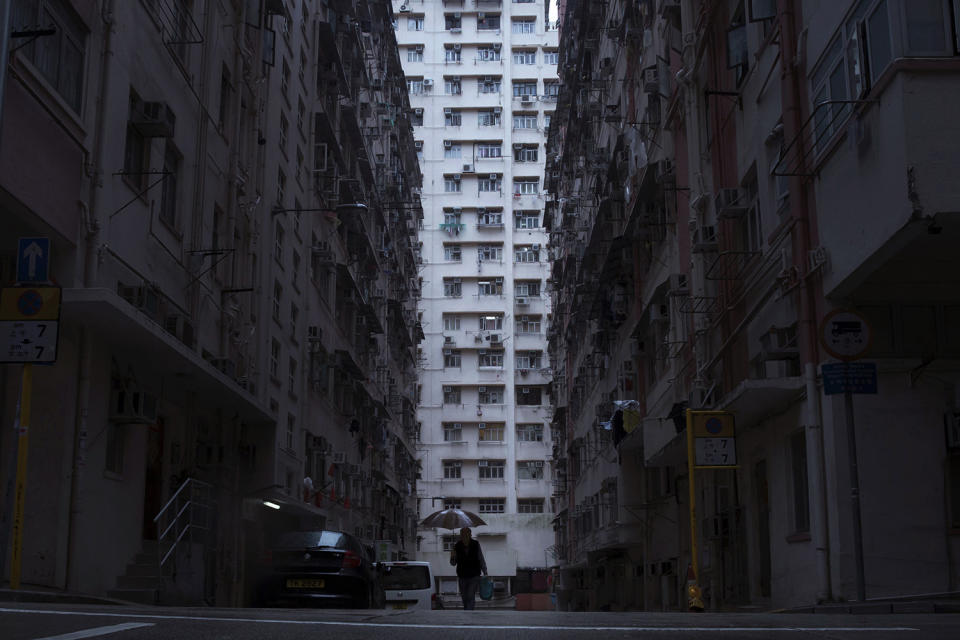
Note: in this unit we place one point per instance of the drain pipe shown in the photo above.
(802, 235)
(91, 265)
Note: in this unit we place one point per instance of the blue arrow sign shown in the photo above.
(33, 259)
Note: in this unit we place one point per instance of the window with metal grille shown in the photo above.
(530, 505)
(488, 432)
(451, 469)
(491, 469)
(530, 432)
(491, 505)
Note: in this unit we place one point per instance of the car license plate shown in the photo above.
(302, 583)
(399, 605)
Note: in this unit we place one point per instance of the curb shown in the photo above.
(63, 597)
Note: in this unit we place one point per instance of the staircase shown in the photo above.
(143, 579)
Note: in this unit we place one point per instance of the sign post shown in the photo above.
(711, 444)
(846, 335)
(29, 328)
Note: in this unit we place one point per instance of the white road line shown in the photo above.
(98, 631)
(448, 627)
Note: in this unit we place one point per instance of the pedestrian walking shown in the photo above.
(467, 556)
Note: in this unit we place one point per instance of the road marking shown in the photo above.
(447, 627)
(98, 631)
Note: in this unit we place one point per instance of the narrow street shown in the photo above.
(62, 622)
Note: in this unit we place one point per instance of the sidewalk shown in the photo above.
(37, 593)
(921, 603)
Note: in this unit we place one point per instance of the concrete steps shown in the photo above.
(142, 582)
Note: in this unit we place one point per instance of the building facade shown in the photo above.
(727, 174)
(230, 191)
(482, 81)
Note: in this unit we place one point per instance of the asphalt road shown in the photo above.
(74, 622)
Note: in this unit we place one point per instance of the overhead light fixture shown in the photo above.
(272, 505)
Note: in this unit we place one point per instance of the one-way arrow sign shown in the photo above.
(33, 260)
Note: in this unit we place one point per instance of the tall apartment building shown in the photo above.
(230, 192)
(728, 173)
(482, 81)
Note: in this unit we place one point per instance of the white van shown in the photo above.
(408, 585)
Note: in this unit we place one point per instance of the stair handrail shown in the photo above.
(185, 512)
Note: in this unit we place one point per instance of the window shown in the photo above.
(451, 395)
(491, 253)
(453, 150)
(415, 87)
(452, 118)
(452, 253)
(451, 185)
(529, 469)
(490, 395)
(525, 153)
(452, 21)
(488, 22)
(451, 54)
(136, 153)
(488, 84)
(491, 469)
(491, 359)
(526, 254)
(798, 463)
(451, 469)
(528, 324)
(451, 218)
(528, 360)
(451, 358)
(490, 219)
(526, 186)
(530, 505)
(58, 57)
(292, 376)
(488, 432)
(524, 56)
(524, 25)
(274, 358)
(450, 503)
(491, 323)
(415, 23)
(488, 54)
(526, 220)
(277, 298)
(488, 119)
(546, 121)
(530, 432)
(491, 505)
(927, 28)
(452, 432)
(523, 88)
(415, 54)
(451, 322)
(171, 179)
(551, 57)
(529, 396)
(417, 121)
(489, 287)
(524, 121)
(489, 150)
(551, 89)
(452, 287)
(489, 184)
(452, 87)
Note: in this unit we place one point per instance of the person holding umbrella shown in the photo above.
(467, 556)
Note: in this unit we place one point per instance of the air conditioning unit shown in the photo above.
(457, 280)
(518, 145)
(481, 210)
(132, 407)
(456, 177)
(404, 8)
(494, 338)
(456, 47)
(454, 29)
(524, 390)
(538, 463)
(339, 457)
(481, 425)
(481, 389)
(488, 80)
(447, 111)
(468, 168)
(427, 83)
(497, 110)
(456, 15)
(482, 352)
(522, 302)
(153, 120)
(526, 100)
(483, 463)
(419, 112)
(418, 145)
(651, 79)
(448, 340)
(536, 247)
(448, 352)
(492, 176)
(496, 46)
(730, 203)
(448, 144)
(448, 389)
(481, 15)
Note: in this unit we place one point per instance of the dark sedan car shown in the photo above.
(322, 568)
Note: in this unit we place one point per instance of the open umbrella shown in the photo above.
(452, 519)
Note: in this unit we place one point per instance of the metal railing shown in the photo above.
(187, 512)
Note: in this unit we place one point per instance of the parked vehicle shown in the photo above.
(322, 568)
(408, 585)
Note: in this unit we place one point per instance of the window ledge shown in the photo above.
(803, 536)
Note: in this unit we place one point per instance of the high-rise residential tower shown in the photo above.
(483, 82)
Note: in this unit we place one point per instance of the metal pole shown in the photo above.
(694, 598)
(854, 488)
(20, 491)
(4, 54)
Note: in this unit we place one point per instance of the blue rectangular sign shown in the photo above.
(855, 377)
(33, 260)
